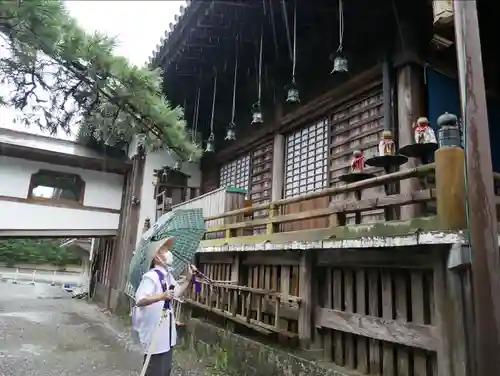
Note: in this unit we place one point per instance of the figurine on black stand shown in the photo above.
(386, 144)
(425, 141)
(424, 134)
(358, 162)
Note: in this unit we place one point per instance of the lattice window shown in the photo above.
(236, 173)
(306, 159)
(356, 124)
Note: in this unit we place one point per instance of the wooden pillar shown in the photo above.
(483, 233)
(410, 103)
(235, 269)
(451, 298)
(305, 292)
(235, 278)
(278, 167)
(450, 188)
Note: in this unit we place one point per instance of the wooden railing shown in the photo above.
(215, 203)
(336, 213)
(259, 309)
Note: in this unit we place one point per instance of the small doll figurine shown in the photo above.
(386, 145)
(424, 134)
(358, 161)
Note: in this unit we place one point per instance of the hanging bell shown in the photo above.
(231, 132)
(165, 174)
(293, 94)
(340, 64)
(257, 117)
(210, 147)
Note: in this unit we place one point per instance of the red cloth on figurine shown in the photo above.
(358, 163)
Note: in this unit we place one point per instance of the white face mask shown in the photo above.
(165, 259)
(169, 258)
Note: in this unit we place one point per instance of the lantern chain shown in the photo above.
(260, 63)
(234, 83)
(195, 115)
(213, 106)
(294, 62)
(341, 26)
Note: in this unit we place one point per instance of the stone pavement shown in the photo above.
(43, 332)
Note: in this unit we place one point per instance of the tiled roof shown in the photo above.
(171, 31)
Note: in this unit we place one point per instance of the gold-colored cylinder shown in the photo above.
(450, 188)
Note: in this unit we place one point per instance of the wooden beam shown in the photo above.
(282, 258)
(392, 258)
(407, 334)
(57, 204)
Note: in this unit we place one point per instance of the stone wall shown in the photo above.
(251, 358)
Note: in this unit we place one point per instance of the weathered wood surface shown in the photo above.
(344, 207)
(347, 188)
(247, 306)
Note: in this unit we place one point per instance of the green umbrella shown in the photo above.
(186, 226)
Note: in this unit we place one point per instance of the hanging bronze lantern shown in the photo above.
(210, 147)
(231, 132)
(191, 156)
(340, 64)
(257, 117)
(293, 94)
(177, 166)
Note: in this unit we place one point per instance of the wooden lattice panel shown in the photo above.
(395, 305)
(306, 159)
(236, 174)
(357, 124)
(280, 278)
(261, 179)
(306, 170)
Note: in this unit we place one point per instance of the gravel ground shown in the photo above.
(43, 332)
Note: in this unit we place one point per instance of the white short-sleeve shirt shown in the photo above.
(146, 320)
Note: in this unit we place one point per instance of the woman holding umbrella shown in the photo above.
(153, 317)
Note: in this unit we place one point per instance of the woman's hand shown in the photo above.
(191, 270)
(167, 295)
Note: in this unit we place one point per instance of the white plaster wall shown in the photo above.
(156, 161)
(22, 216)
(102, 189)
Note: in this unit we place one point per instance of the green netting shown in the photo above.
(187, 226)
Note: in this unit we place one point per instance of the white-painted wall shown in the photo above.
(148, 202)
(21, 216)
(102, 190)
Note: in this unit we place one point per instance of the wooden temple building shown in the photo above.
(334, 197)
